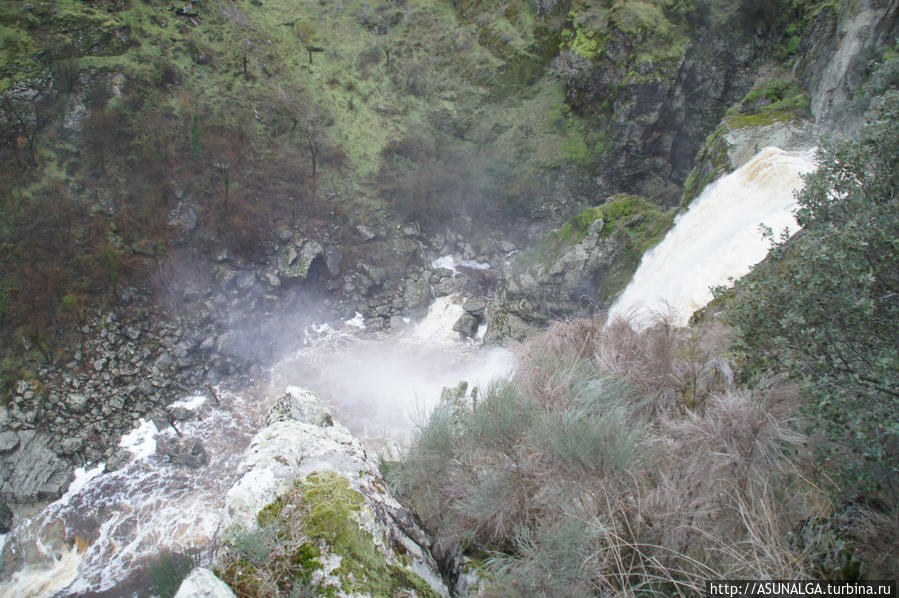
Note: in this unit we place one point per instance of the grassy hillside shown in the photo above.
(133, 127)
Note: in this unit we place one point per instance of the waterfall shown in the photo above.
(716, 239)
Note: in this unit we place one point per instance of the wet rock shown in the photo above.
(246, 280)
(300, 404)
(180, 414)
(224, 275)
(467, 325)
(9, 441)
(294, 454)
(5, 518)
(202, 583)
(33, 472)
(476, 306)
(374, 324)
(272, 280)
(77, 403)
(183, 451)
(417, 293)
(70, 446)
(334, 260)
(297, 258)
(546, 286)
(449, 285)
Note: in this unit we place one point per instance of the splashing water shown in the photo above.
(100, 538)
(381, 386)
(718, 238)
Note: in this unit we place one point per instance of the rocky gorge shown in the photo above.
(647, 104)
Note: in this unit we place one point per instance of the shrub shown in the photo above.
(614, 461)
(824, 306)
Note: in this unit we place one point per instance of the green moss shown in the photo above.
(760, 119)
(320, 515)
(711, 160)
(333, 506)
(637, 222)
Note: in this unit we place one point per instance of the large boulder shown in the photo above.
(32, 471)
(297, 258)
(202, 583)
(578, 268)
(306, 486)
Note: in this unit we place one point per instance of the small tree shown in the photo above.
(825, 304)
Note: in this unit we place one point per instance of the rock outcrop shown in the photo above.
(577, 268)
(306, 481)
(30, 470)
(202, 583)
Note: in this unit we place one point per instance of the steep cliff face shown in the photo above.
(577, 268)
(786, 83)
(839, 62)
(656, 78)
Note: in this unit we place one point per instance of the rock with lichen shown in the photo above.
(310, 507)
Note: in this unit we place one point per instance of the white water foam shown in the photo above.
(141, 441)
(718, 238)
(107, 528)
(380, 386)
(451, 262)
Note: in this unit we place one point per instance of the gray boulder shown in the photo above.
(9, 441)
(300, 404)
(297, 258)
(5, 518)
(33, 471)
(202, 583)
(539, 287)
(467, 325)
(183, 451)
(306, 461)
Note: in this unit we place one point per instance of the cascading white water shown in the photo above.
(718, 238)
(98, 538)
(379, 390)
(100, 535)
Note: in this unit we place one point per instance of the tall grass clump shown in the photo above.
(615, 461)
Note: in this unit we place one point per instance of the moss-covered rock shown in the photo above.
(310, 510)
(578, 267)
(775, 112)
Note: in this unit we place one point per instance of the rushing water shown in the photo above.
(716, 239)
(100, 537)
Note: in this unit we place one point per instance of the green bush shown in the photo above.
(824, 306)
(613, 462)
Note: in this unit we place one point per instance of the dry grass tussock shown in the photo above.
(616, 462)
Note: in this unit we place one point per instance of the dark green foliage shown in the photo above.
(825, 305)
(166, 573)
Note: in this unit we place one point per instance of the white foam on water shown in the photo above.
(121, 520)
(191, 403)
(447, 262)
(357, 322)
(118, 522)
(437, 325)
(83, 477)
(716, 239)
(474, 265)
(380, 386)
(57, 570)
(141, 441)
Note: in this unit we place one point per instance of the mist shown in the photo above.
(381, 385)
